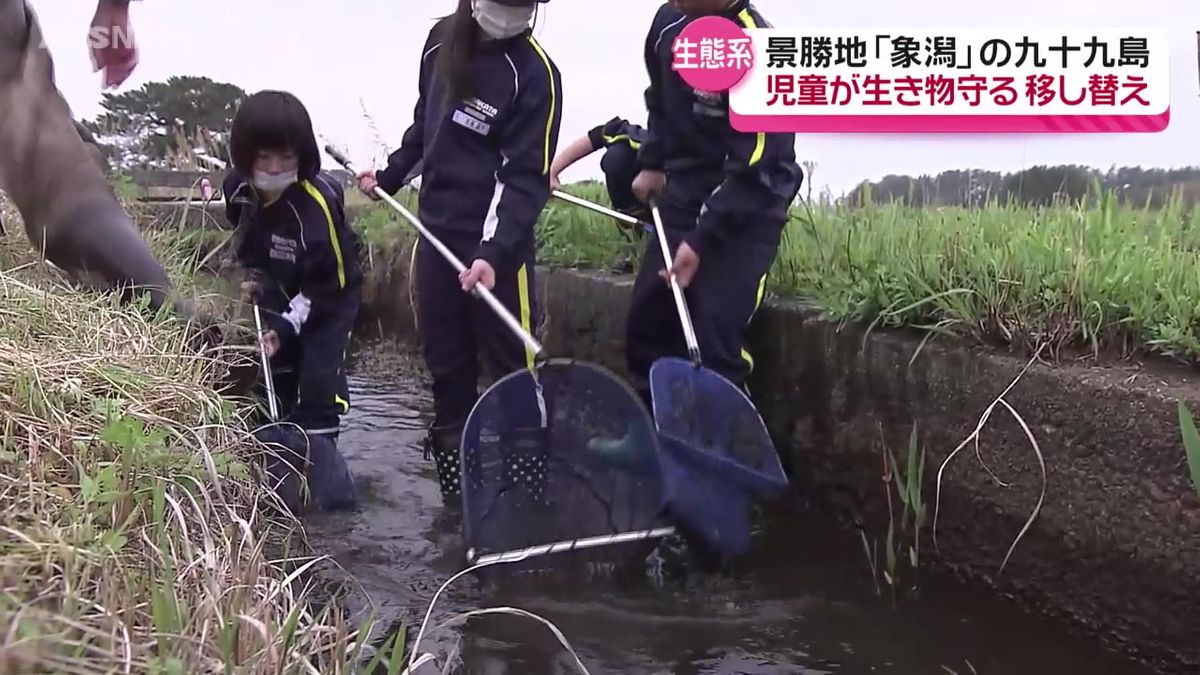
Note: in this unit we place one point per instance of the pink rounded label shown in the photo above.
(712, 54)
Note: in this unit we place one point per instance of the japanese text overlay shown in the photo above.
(930, 80)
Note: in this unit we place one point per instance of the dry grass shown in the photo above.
(135, 536)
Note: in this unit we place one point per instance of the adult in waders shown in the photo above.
(302, 264)
(620, 139)
(485, 127)
(68, 208)
(723, 196)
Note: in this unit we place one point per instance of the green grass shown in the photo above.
(1106, 279)
(137, 534)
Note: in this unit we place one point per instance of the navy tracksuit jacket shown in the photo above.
(621, 140)
(727, 195)
(485, 178)
(306, 257)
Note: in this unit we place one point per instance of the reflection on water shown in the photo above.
(803, 602)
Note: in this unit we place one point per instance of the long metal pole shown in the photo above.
(266, 366)
(573, 544)
(623, 217)
(685, 317)
(505, 315)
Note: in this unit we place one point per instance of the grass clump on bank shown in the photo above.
(1106, 279)
(136, 537)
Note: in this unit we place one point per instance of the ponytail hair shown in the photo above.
(458, 46)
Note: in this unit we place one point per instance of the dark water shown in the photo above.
(802, 603)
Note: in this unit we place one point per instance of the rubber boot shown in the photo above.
(442, 446)
(526, 461)
(634, 451)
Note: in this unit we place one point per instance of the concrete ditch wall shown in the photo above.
(1115, 549)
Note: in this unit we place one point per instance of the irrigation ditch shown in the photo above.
(1062, 487)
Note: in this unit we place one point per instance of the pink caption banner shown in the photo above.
(965, 81)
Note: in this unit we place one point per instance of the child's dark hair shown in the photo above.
(458, 45)
(274, 120)
(459, 36)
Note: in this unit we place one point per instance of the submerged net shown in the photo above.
(563, 457)
(307, 469)
(716, 454)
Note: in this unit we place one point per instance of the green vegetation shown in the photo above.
(902, 544)
(137, 535)
(1109, 279)
(1191, 443)
(1113, 277)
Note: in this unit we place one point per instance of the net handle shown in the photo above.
(603, 210)
(685, 318)
(266, 367)
(478, 290)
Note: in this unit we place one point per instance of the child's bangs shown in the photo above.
(273, 132)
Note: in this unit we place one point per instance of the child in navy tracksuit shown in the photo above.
(724, 208)
(620, 139)
(485, 130)
(300, 255)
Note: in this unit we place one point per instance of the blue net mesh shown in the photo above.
(569, 455)
(717, 455)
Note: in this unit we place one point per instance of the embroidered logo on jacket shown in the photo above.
(484, 107)
(475, 115)
(283, 248)
(708, 104)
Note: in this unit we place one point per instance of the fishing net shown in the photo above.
(307, 469)
(565, 461)
(716, 454)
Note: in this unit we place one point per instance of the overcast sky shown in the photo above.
(333, 53)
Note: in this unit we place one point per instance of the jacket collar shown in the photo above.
(503, 44)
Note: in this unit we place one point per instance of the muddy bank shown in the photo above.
(1115, 550)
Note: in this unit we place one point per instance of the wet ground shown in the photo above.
(802, 603)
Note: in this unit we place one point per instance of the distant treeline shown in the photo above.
(1038, 185)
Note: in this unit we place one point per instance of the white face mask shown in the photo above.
(501, 21)
(274, 182)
